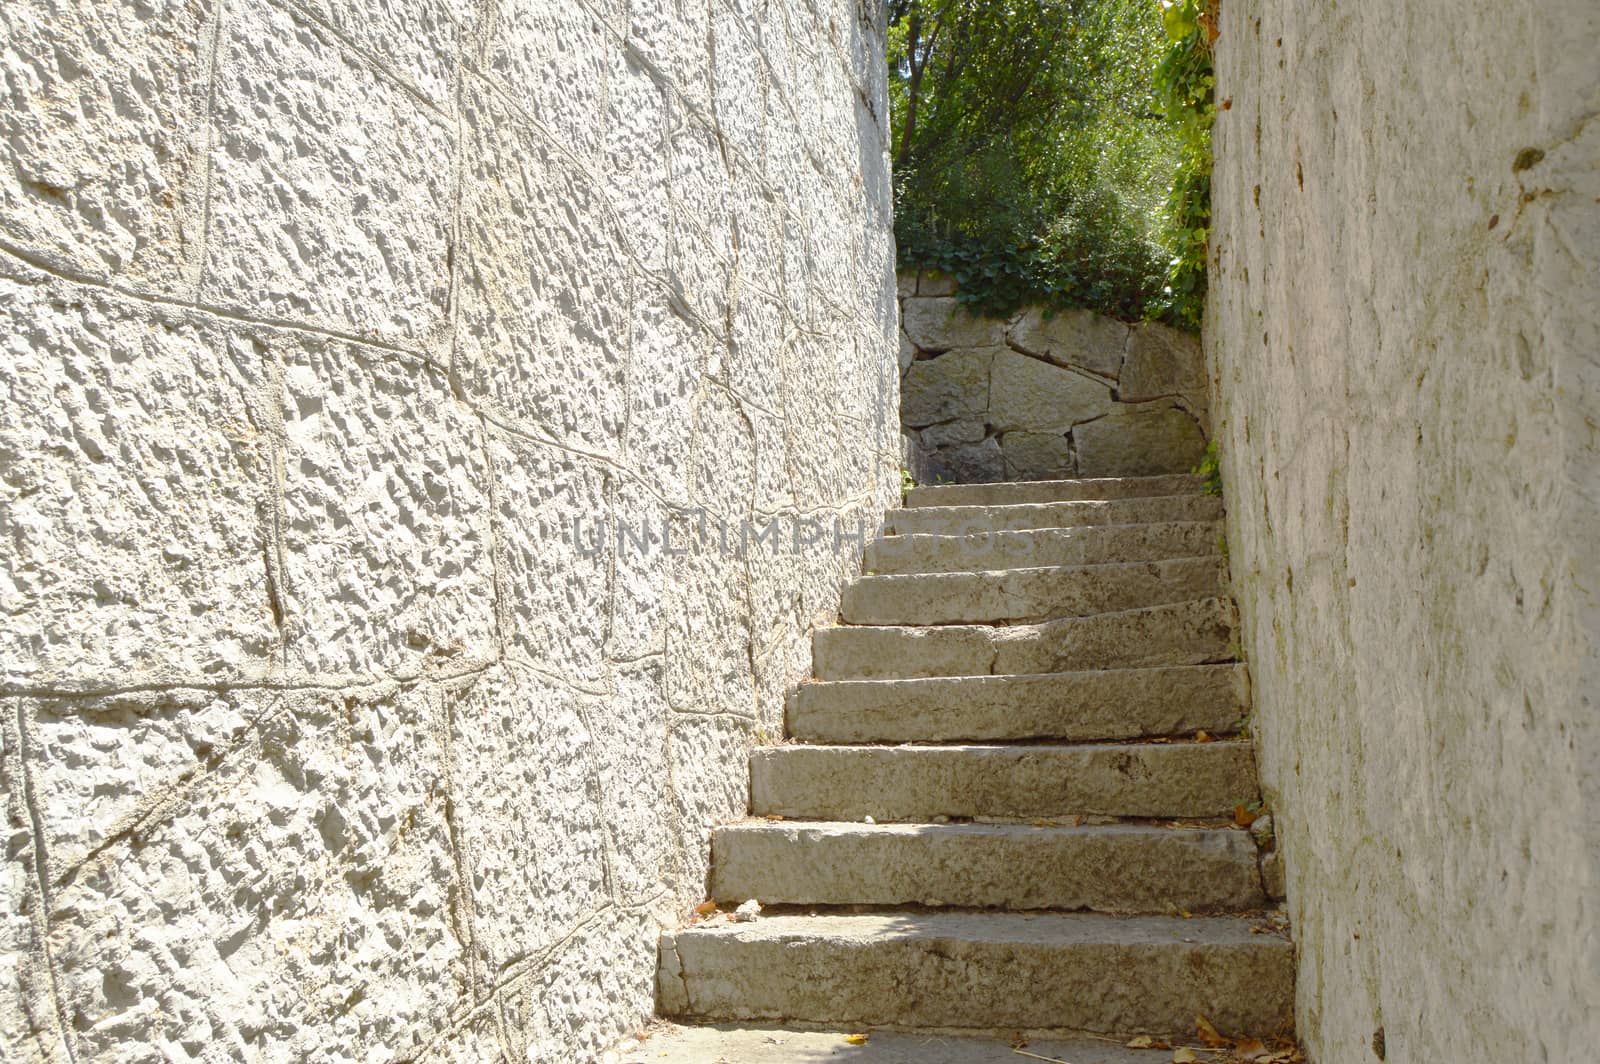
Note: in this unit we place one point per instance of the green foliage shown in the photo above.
(1032, 160)
(1185, 85)
(1210, 469)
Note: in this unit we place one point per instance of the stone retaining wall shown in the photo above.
(1041, 396)
(340, 341)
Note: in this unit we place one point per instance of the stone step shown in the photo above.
(1009, 493)
(1126, 868)
(1086, 972)
(748, 1043)
(962, 520)
(1102, 705)
(1024, 782)
(1092, 545)
(1029, 595)
(1177, 633)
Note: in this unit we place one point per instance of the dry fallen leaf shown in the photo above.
(1144, 1041)
(1244, 816)
(1250, 1049)
(855, 1039)
(706, 908)
(1202, 737)
(1209, 1034)
(1184, 1055)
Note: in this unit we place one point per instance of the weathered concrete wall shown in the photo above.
(1041, 396)
(1406, 344)
(323, 736)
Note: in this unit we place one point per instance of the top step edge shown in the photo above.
(1048, 530)
(1085, 489)
(1033, 827)
(1047, 504)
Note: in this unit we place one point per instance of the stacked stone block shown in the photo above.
(1043, 395)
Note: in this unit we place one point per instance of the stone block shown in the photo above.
(1181, 633)
(960, 520)
(1162, 362)
(954, 433)
(1034, 396)
(1174, 633)
(386, 536)
(634, 166)
(757, 344)
(331, 186)
(139, 459)
(1037, 456)
(107, 762)
(1014, 867)
(592, 992)
(710, 786)
(1113, 703)
(1029, 595)
(643, 537)
(550, 61)
(723, 479)
(543, 332)
(984, 971)
(851, 652)
(414, 41)
(555, 537)
(1141, 443)
(939, 323)
(953, 386)
(708, 625)
(946, 520)
(1273, 876)
(1010, 782)
(104, 165)
(1077, 338)
(1031, 548)
(739, 83)
(974, 463)
(526, 803)
(298, 895)
(669, 355)
(1049, 492)
(908, 353)
(631, 751)
(30, 1024)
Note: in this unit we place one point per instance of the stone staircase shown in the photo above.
(992, 811)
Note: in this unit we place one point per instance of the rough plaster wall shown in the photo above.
(322, 736)
(1406, 348)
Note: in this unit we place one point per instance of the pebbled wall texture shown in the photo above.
(1043, 396)
(1405, 343)
(324, 737)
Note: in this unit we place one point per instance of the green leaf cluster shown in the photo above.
(1034, 156)
(1185, 84)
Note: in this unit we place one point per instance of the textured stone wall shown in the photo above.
(1041, 396)
(324, 737)
(1406, 343)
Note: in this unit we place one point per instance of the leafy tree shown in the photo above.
(1032, 157)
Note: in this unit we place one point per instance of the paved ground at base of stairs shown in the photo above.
(766, 1045)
